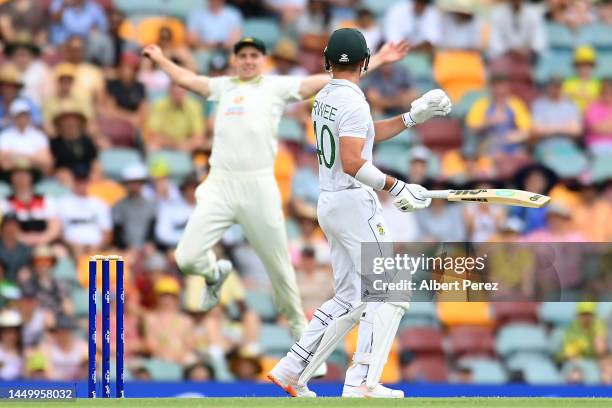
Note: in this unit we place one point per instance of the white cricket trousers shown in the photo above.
(251, 199)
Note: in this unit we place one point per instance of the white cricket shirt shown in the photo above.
(340, 109)
(246, 123)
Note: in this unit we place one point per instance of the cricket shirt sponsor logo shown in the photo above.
(380, 228)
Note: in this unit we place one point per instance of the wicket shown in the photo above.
(119, 308)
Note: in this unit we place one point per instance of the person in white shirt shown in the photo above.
(241, 187)
(417, 21)
(86, 220)
(23, 141)
(350, 214)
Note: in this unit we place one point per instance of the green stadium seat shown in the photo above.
(554, 63)
(589, 368)
(179, 163)
(80, 299)
(604, 65)
(379, 7)
(403, 140)
(261, 302)
(604, 310)
(485, 370)
(290, 129)
(266, 29)
(114, 160)
(202, 59)
(538, 372)
(51, 188)
(565, 160)
(65, 270)
(275, 340)
(597, 35)
(5, 189)
(176, 8)
(519, 337)
(419, 66)
(560, 37)
(392, 158)
(424, 312)
(162, 370)
(557, 313)
(461, 109)
(601, 167)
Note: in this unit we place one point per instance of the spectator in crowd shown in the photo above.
(52, 292)
(24, 141)
(125, 97)
(310, 234)
(461, 29)
(517, 27)
(88, 78)
(36, 213)
(289, 10)
(598, 121)
(64, 93)
(167, 331)
(103, 187)
(605, 12)
(133, 216)
(389, 90)
(176, 122)
(23, 17)
(14, 254)
(285, 58)
(36, 319)
(501, 121)
(83, 18)
(559, 227)
(314, 280)
(175, 50)
(172, 215)
(11, 84)
(161, 188)
(417, 21)
(585, 337)
(66, 353)
(244, 367)
(11, 346)
(593, 212)
(86, 220)
(482, 220)
(24, 54)
(366, 23)
(216, 26)
(571, 13)
(537, 179)
(72, 147)
(441, 221)
(584, 88)
(305, 182)
(199, 371)
(556, 119)
(313, 25)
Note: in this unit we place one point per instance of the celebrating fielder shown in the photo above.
(241, 187)
(349, 213)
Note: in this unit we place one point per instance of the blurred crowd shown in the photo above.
(101, 153)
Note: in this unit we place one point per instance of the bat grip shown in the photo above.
(443, 194)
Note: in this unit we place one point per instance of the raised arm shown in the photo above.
(389, 53)
(179, 75)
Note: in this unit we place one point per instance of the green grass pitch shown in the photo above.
(329, 402)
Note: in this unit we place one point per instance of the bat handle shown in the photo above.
(443, 194)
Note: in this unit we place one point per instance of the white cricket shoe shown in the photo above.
(288, 382)
(380, 391)
(211, 296)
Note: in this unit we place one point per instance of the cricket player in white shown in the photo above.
(241, 187)
(349, 213)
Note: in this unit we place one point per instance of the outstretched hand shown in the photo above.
(153, 52)
(392, 52)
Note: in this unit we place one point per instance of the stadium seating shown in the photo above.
(514, 312)
(392, 158)
(379, 7)
(179, 163)
(422, 341)
(557, 313)
(597, 35)
(553, 64)
(541, 372)
(453, 314)
(601, 167)
(604, 65)
(430, 369)
(266, 29)
(485, 370)
(120, 132)
(290, 129)
(560, 38)
(163, 370)
(178, 8)
(114, 160)
(515, 338)
(5, 189)
(589, 369)
(461, 108)
(458, 82)
(441, 134)
(261, 302)
(51, 188)
(420, 314)
(420, 68)
(471, 341)
(275, 340)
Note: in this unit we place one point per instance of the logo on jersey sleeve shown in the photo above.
(380, 228)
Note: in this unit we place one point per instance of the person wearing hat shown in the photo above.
(461, 29)
(72, 147)
(34, 72)
(23, 139)
(11, 85)
(417, 21)
(37, 214)
(585, 337)
(285, 59)
(65, 93)
(241, 185)
(65, 352)
(172, 215)
(11, 345)
(584, 87)
(349, 214)
(14, 254)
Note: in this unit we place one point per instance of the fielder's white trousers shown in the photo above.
(251, 199)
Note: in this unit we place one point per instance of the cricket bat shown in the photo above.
(518, 198)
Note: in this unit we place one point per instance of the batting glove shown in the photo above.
(433, 103)
(409, 197)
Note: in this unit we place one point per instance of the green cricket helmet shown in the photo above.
(346, 46)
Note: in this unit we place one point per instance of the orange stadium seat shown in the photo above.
(458, 82)
(146, 30)
(464, 313)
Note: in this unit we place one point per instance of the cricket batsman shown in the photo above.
(349, 213)
(241, 187)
